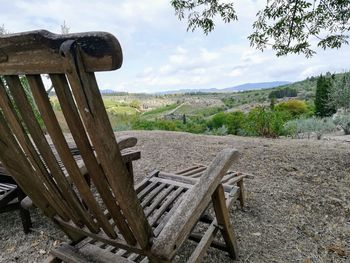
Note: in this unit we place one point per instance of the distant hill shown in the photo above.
(107, 91)
(243, 87)
(256, 86)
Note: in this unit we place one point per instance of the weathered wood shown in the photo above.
(198, 254)
(192, 206)
(90, 104)
(52, 125)
(169, 201)
(117, 242)
(71, 207)
(160, 197)
(241, 197)
(38, 52)
(92, 165)
(222, 217)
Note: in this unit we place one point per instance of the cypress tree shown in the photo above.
(322, 107)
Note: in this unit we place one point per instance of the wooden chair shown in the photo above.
(113, 220)
(11, 196)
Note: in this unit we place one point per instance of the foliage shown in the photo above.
(118, 110)
(135, 104)
(288, 26)
(265, 122)
(232, 121)
(305, 127)
(221, 131)
(343, 120)
(284, 92)
(3, 30)
(339, 96)
(203, 17)
(160, 109)
(294, 107)
(324, 86)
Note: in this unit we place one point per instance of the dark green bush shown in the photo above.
(233, 121)
(294, 107)
(265, 122)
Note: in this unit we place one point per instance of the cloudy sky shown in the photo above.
(159, 54)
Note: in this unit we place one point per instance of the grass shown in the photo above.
(159, 110)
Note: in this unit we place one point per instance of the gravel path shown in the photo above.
(298, 207)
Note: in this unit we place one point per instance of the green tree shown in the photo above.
(323, 88)
(285, 25)
(339, 96)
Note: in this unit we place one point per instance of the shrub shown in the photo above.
(219, 131)
(265, 122)
(281, 93)
(343, 120)
(305, 127)
(294, 107)
(233, 121)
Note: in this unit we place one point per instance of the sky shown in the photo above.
(160, 55)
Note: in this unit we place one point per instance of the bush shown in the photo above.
(233, 121)
(343, 120)
(265, 122)
(219, 131)
(281, 93)
(294, 107)
(305, 127)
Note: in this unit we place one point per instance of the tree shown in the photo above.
(288, 26)
(323, 88)
(339, 96)
(65, 28)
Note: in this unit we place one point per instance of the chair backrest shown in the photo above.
(70, 62)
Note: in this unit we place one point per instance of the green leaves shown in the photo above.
(201, 13)
(287, 26)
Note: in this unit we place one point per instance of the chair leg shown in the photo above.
(24, 213)
(222, 217)
(241, 197)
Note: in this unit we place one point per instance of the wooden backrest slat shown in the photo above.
(93, 113)
(76, 127)
(20, 168)
(53, 127)
(29, 150)
(27, 114)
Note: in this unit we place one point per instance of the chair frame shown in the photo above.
(71, 61)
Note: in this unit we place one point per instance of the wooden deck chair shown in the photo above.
(11, 196)
(113, 220)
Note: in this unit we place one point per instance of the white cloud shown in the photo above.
(158, 52)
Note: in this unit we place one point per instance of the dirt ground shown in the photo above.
(298, 204)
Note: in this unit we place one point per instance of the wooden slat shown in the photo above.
(18, 165)
(222, 217)
(91, 107)
(192, 206)
(157, 201)
(194, 171)
(70, 164)
(82, 141)
(148, 199)
(117, 242)
(45, 149)
(169, 201)
(198, 254)
(147, 189)
(26, 145)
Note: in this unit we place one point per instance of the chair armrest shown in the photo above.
(126, 142)
(194, 202)
(123, 143)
